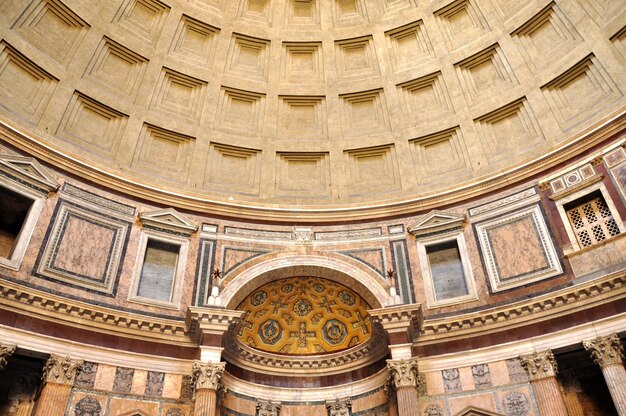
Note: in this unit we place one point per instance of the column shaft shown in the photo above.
(407, 400)
(53, 399)
(206, 403)
(549, 399)
(615, 376)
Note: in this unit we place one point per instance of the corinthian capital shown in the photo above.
(539, 365)
(605, 350)
(339, 407)
(5, 352)
(61, 370)
(267, 408)
(403, 373)
(207, 375)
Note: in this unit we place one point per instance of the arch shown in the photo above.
(330, 266)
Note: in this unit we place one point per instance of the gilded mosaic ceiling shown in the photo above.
(304, 315)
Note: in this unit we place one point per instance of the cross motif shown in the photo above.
(362, 323)
(302, 335)
(278, 304)
(244, 324)
(326, 304)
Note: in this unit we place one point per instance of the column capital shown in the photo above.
(605, 350)
(267, 408)
(404, 373)
(207, 375)
(539, 365)
(339, 407)
(60, 370)
(5, 352)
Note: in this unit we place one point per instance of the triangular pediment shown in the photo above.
(436, 222)
(476, 411)
(168, 220)
(29, 171)
(135, 413)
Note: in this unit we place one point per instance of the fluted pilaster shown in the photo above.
(207, 378)
(58, 375)
(608, 353)
(542, 369)
(404, 375)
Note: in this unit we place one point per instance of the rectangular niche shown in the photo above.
(302, 63)
(163, 153)
(511, 128)
(485, 71)
(89, 263)
(546, 37)
(233, 169)
(179, 94)
(14, 210)
(142, 18)
(158, 270)
(92, 126)
(364, 113)
(440, 156)
(303, 175)
(117, 68)
(372, 170)
(256, 11)
(53, 28)
(302, 117)
(248, 57)
(241, 110)
(580, 92)
(356, 58)
(409, 46)
(425, 98)
(517, 249)
(461, 22)
(349, 12)
(195, 42)
(25, 88)
(302, 13)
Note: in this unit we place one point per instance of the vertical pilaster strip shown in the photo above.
(542, 370)
(58, 377)
(608, 353)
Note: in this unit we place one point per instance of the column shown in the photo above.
(5, 352)
(58, 377)
(608, 353)
(267, 408)
(206, 381)
(404, 376)
(340, 407)
(542, 369)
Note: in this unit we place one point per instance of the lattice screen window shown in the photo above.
(591, 219)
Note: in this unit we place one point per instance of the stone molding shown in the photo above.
(30, 172)
(606, 350)
(207, 375)
(168, 220)
(401, 319)
(339, 407)
(403, 373)
(5, 352)
(59, 370)
(539, 365)
(207, 321)
(267, 408)
(436, 222)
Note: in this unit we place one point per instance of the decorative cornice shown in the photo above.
(267, 408)
(539, 365)
(400, 319)
(436, 222)
(59, 370)
(207, 375)
(49, 307)
(28, 171)
(77, 165)
(339, 407)
(403, 373)
(606, 350)
(539, 308)
(5, 352)
(203, 321)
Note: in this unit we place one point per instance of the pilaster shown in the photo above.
(58, 377)
(542, 369)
